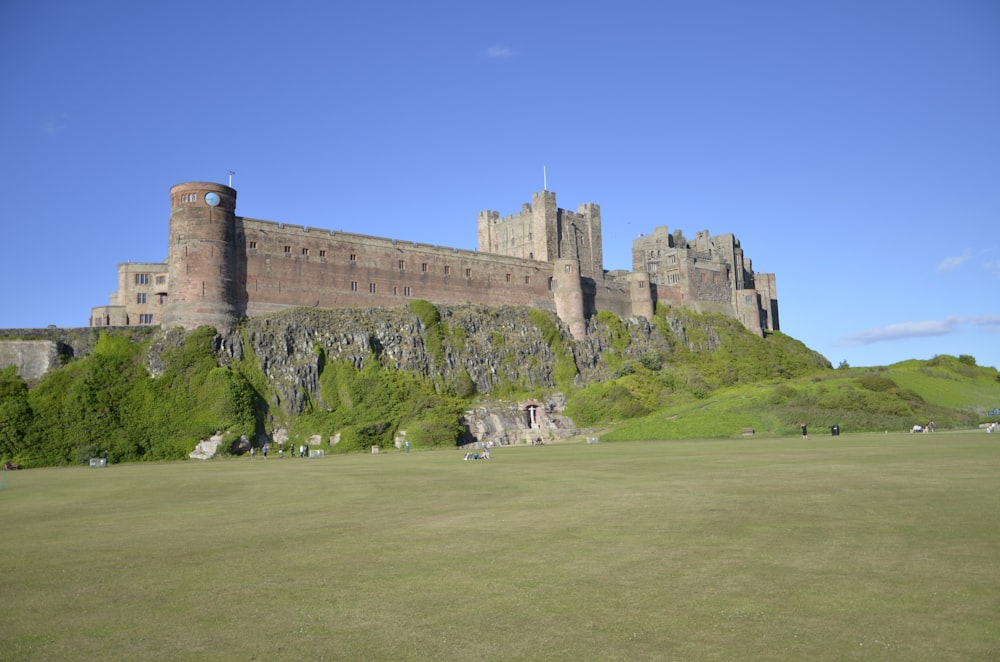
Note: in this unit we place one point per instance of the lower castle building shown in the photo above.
(222, 267)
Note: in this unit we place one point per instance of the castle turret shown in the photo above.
(202, 257)
(568, 294)
(544, 228)
(640, 292)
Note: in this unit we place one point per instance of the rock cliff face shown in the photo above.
(495, 347)
(487, 350)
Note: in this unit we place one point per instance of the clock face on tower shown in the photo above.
(212, 199)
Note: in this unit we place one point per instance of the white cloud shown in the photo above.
(952, 263)
(54, 125)
(954, 324)
(498, 52)
(993, 267)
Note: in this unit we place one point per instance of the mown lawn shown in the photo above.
(859, 547)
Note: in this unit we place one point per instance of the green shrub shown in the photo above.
(565, 368)
(15, 414)
(606, 402)
(876, 383)
(620, 339)
(652, 360)
(430, 318)
(370, 406)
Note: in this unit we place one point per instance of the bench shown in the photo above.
(747, 432)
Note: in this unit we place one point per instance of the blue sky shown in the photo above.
(852, 146)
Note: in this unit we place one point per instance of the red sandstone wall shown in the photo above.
(288, 265)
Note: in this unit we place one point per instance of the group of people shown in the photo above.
(472, 455)
(923, 428)
(303, 451)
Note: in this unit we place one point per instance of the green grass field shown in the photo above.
(859, 547)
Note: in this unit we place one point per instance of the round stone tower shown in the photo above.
(568, 294)
(201, 263)
(640, 291)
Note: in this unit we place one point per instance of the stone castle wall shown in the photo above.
(709, 275)
(222, 267)
(542, 231)
(291, 265)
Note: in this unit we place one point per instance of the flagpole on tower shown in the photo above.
(545, 181)
(231, 173)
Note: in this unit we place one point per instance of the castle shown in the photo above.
(222, 267)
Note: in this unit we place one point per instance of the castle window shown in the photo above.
(371, 288)
(395, 291)
(354, 286)
(322, 252)
(161, 299)
(142, 279)
(145, 318)
(288, 250)
(568, 268)
(406, 290)
(253, 244)
(160, 280)
(402, 264)
(305, 251)
(423, 268)
(527, 280)
(508, 278)
(354, 257)
(447, 270)
(140, 297)
(468, 273)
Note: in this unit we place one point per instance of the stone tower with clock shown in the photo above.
(203, 266)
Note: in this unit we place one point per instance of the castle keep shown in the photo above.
(222, 267)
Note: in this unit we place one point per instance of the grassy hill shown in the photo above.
(945, 390)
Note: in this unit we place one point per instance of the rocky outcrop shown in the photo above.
(207, 448)
(491, 346)
(524, 422)
(31, 358)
